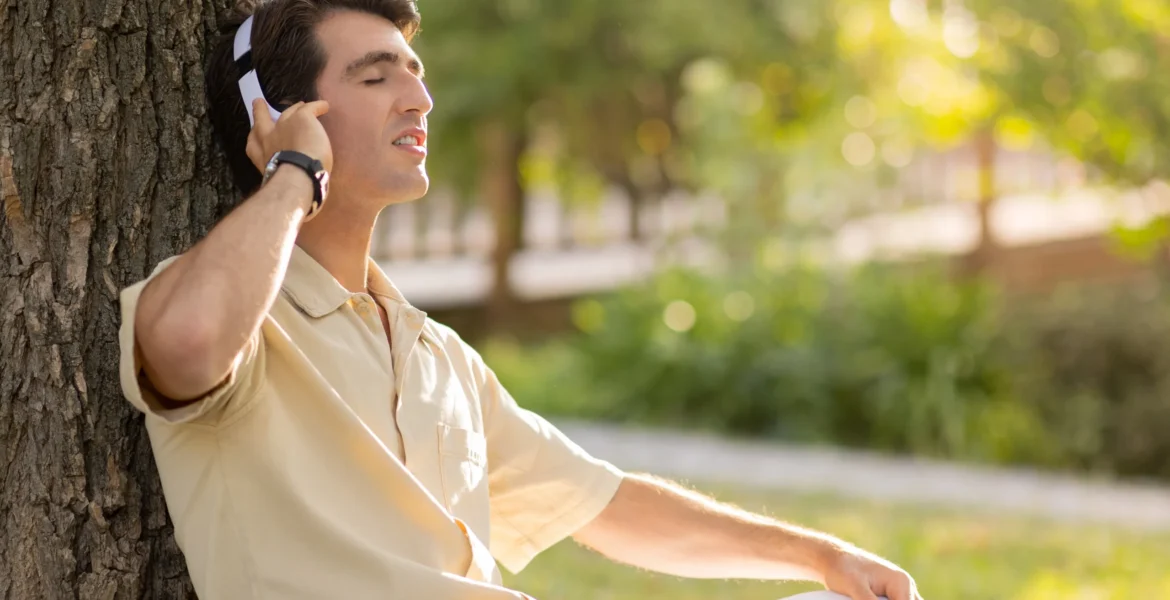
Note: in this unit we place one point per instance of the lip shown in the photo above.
(420, 134)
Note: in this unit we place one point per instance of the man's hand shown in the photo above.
(297, 129)
(864, 576)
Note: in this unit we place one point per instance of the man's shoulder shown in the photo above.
(451, 342)
(443, 334)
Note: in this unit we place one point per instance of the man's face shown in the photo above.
(373, 83)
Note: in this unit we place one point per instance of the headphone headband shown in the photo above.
(249, 82)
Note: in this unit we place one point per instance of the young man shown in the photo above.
(318, 437)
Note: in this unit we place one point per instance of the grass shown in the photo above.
(953, 556)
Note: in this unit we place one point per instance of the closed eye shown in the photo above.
(374, 81)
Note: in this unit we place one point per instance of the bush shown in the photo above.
(1096, 366)
(879, 358)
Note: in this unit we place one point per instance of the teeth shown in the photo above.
(406, 140)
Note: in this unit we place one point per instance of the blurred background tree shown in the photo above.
(646, 97)
(802, 118)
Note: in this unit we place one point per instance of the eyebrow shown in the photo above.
(377, 56)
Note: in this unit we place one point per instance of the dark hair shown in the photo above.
(288, 61)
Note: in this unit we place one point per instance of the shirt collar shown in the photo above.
(316, 292)
(380, 285)
(312, 287)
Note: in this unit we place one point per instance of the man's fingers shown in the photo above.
(899, 591)
(262, 121)
(861, 591)
(317, 107)
(253, 149)
(287, 113)
(899, 586)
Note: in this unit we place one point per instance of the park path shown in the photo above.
(768, 465)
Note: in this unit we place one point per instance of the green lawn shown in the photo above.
(953, 555)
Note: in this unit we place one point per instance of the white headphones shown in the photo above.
(249, 83)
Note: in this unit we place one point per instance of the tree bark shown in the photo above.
(106, 167)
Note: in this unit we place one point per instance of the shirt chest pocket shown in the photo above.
(463, 466)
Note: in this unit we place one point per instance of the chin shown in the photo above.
(406, 187)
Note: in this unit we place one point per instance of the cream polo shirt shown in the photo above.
(330, 464)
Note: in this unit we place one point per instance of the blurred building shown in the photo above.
(1048, 222)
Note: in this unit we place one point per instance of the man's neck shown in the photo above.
(340, 242)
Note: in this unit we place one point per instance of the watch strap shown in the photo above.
(311, 166)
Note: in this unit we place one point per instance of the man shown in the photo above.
(318, 437)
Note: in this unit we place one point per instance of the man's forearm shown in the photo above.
(215, 296)
(662, 527)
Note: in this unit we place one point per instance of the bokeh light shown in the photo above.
(679, 316)
(858, 149)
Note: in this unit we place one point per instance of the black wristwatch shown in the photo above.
(312, 167)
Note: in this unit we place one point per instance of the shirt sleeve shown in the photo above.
(240, 385)
(543, 486)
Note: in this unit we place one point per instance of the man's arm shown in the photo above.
(195, 317)
(659, 526)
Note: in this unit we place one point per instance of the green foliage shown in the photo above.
(606, 79)
(1098, 373)
(894, 359)
(1085, 73)
(753, 99)
(785, 110)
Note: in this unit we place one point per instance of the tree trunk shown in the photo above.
(978, 261)
(106, 168)
(635, 228)
(501, 148)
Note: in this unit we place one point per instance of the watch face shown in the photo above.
(324, 178)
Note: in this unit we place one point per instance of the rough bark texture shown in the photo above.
(106, 167)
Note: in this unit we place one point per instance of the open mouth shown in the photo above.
(414, 141)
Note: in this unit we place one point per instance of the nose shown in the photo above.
(415, 98)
